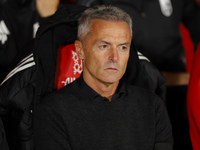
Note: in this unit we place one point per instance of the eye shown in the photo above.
(123, 47)
(104, 47)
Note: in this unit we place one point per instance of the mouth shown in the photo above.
(112, 69)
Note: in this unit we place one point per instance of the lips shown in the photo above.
(112, 69)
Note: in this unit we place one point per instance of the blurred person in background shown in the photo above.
(18, 25)
(19, 21)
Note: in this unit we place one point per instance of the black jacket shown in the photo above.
(18, 24)
(33, 77)
(3, 140)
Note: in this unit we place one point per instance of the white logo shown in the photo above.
(4, 32)
(68, 80)
(166, 7)
(77, 67)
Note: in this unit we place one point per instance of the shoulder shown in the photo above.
(142, 96)
(131, 89)
(62, 97)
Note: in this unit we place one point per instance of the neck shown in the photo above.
(104, 89)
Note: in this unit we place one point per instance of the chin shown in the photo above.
(111, 80)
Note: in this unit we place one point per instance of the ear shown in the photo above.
(79, 49)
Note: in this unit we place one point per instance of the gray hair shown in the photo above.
(108, 13)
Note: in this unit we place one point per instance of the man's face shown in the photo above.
(106, 51)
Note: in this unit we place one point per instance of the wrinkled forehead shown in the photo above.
(111, 28)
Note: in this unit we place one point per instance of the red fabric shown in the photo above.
(193, 101)
(68, 67)
(188, 47)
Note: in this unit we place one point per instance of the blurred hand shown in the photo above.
(47, 8)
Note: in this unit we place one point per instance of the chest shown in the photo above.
(111, 127)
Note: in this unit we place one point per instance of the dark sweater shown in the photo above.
(69, 119)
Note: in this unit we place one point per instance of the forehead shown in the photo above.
(102, 24)
(115, 29)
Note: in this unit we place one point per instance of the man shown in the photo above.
(157, 36)
(98, 110)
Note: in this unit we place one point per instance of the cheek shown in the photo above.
(124, 60)
(92, 62)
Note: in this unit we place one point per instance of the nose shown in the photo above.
(113, 54)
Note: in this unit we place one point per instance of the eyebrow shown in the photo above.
(102, 41)
(110, 43)
(125, 44)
